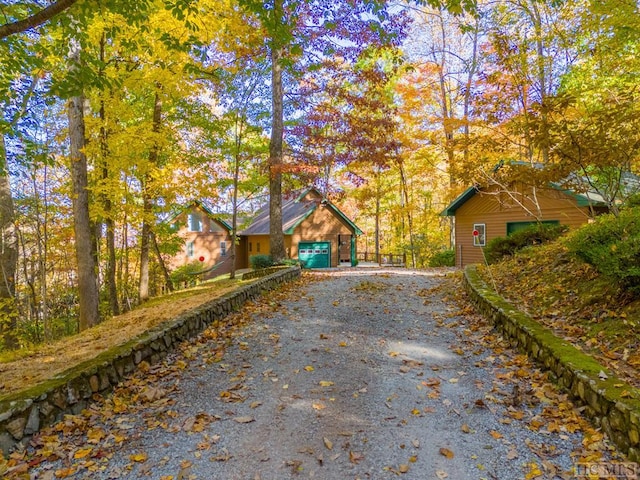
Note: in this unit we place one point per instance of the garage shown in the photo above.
(315, 254)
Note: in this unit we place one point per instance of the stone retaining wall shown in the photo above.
(23, 413)
(610, 402)
(261, 272)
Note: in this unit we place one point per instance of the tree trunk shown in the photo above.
(87, 279)
(377, 217)
(276, 235)
(163, 266)
(107, 205)
(147, 205)
(8, 256)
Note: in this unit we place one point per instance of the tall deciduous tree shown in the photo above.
(87, 273)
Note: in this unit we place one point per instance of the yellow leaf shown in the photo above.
(325, 383)
(446, 452)
(404, 468)
(82, 453)
(534, 471)
(309, 368)
(415, 411)
(496, 435)
(328, 443)
(342, 344)
(465, 428)
(138, 457)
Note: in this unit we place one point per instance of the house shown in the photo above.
(316, 232)
(206, 237)
(483, 213)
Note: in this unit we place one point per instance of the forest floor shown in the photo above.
(578, 304)
(27, 368)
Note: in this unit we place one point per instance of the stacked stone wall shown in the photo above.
(23, 413)
(610, 402)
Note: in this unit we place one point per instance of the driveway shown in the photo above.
(352, 374)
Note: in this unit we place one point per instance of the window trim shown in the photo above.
(481, 239)
(223, 248)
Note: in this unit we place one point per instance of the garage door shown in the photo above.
(315, 254)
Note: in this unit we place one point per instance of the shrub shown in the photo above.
(537, 234)
(443, 258)
(186, 274)
(612, 246)
(289, 262)
(260, 261)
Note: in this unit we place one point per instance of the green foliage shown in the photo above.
(290, 262)
(260, 261)
(612, 246)
(443, 258)
(537, 234)
(633, 201)
(186, 274)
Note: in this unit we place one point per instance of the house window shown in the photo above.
(195, 222)
(223, 249)
(479, 235)
(190, 250)
(257, 246)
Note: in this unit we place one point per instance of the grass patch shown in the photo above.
(27, 367)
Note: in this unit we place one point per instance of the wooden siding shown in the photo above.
(206, 243)
(321, 226)
(496, 209)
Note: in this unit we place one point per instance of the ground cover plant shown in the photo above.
(576, 301)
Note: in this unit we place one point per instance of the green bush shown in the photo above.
(539, 233)
(289, 262)
(260, 261)
(612, 246)
(186, 274)
(443, 258)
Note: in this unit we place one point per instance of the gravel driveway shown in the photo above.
(355, 374)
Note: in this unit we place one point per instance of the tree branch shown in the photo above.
(36, 19)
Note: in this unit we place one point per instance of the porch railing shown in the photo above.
(383, 259)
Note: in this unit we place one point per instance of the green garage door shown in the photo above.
(315, 254)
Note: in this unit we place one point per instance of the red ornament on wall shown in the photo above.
(476, 233)
(201, 259)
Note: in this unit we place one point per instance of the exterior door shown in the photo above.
(344, 249)
(315, 254)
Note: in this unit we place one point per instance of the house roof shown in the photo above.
(206, 209)
(582, 199)
(294, 212)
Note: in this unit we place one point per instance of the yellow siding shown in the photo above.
(495, 210)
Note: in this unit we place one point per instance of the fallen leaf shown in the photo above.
(441, 474)
(465, 428)
(309, 368)
(496, 435)
(355, 457)
(328, 443)
(82, 453)
(446, 452)
(325, 383)
(403, 468)
(138, 457)
(243, 419)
